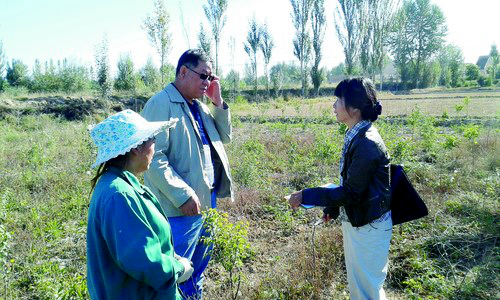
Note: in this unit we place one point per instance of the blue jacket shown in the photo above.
(130, 253)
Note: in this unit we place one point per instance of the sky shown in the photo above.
(72, 29)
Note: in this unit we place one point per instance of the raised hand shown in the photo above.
(214, 92)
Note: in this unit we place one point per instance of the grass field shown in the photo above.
(453, 253)
(481, 103)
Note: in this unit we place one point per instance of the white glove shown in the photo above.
(188, 268)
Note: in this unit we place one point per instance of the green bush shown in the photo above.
(484, 81)
(17, 74)
(424, 133)
(451, 141)
(231, 247)
(248, 170)
(471, 71)
(471, 132)
(66, 77)
(241, 100)
(126, 79)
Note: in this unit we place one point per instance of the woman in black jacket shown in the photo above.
(363, 197)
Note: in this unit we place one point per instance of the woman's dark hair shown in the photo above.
(119, 162)
(191, 58)
(360, 93)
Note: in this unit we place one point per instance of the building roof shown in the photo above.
(482, 61)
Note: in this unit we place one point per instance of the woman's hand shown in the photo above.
(295, 199)
(188, 268)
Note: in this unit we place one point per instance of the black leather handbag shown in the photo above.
(406, 204)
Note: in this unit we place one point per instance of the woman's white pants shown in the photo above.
(366, 251)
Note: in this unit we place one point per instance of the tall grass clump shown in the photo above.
(44, 206)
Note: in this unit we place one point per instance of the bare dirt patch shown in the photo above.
(70, 108)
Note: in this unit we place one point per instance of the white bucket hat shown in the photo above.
(123, 131)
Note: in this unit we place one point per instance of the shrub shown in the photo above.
(471, 71)
(248, 170)
(230, 245)
(126, 79)
(17, 74)
(471, 132)
(484, 81)
(240, 100)
(451, 141)
(425, 132)
(151, 76)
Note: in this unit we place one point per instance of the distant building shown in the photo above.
(484, 62)
(390, 72)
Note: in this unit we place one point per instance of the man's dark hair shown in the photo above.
(190, 59)
(360, 93)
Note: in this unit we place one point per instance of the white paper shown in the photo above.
(307, 206)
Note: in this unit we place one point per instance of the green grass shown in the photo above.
(427, 260)
(43, 207)
(451, 254)
(479, 104)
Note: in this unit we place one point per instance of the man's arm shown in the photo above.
(221, 113)
(222, 120)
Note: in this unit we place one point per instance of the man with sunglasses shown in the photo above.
(190, 169)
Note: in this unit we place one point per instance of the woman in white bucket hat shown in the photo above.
(130, 254)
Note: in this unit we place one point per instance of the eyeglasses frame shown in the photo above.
(203, 76)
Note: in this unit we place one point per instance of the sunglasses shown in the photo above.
(203, 76)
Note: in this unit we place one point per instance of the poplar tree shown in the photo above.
(318, 31)
(214, 11)
(400, 40)
(383, 12)
(17, 74)
(428, 24)
(495, 58)
(157, 27)
(367, 38)
(205, 41)
(102, 68)
(150, 75)
(350, 30)
(251, 47)
(3, 66)
(302, 41)
(451, 62)
(266, 46)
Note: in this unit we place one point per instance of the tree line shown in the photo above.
(373, 33)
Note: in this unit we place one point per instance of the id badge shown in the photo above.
(209, 168)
